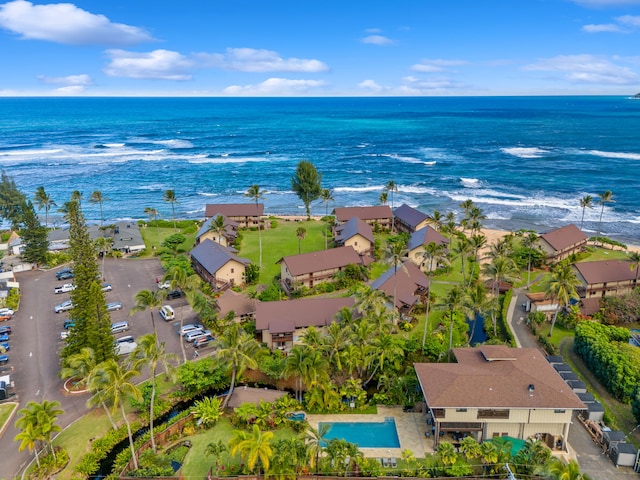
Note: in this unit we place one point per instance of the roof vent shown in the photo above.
(531, 388)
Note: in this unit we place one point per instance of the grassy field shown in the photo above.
(153, 235)
(6, 410)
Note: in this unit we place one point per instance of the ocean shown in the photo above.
(525, 161)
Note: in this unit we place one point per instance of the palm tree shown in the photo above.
(315, 440)
(79, 366)
(255, 449)
(604, 198)
(148, 300)
(462, 249)
(634, 259)
(470, 447)
(326, 195)
(384, 197)
(256, 195)
(501, 269)
(561, 288)
(29, 437)
(216, 449)
(295, 365)
(301, 232)
(238, 350)
(44, 200)
(434, 253)
(585, 202)
(395, 252)
(217, 226)
(447, 453)
(38, 422)
(97, 197)
(436, 219)
(150, 352)
(208, 411)
(391, 187)
(453, 302)
(557, 469)
(103, 244)
(384, 351)
(476, 303)
(115, 383)
(529, 242)
(153, 215)
(170, 197)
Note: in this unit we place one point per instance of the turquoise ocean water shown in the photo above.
(526, 161)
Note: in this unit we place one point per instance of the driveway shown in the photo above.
(35, 340)
(581, 447)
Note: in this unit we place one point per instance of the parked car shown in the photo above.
(5, 330)
(69, 324)
(174, 294)
(106, 287)
(5, 318)
(125, 339)
(190, 327)
(6, 311)
(6, 346)
(167, 313)
(67, 287)
(114, 306)
(64, 335)
(119, 327)
(125, 348)
(191, 336)
(63, 307)
(164, 285)
(4, 358)
(63, 271)
(4, 337)
(203, 341)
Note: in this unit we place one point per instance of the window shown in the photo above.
(559, 410)
(438, 412)
(232, 270)
(461, 410)
(492, 413)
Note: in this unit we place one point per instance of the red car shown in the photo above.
(4, 318)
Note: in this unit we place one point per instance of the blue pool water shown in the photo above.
(366, 434)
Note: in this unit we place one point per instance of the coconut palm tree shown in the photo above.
(326, 195)
(529, 241)
(103, 244)
(501, 269)
(152, 353)
(603, 198)
(295, 366)
(557, 469)
(585, 202)
(44, 200)
(217, 226)
(153, 215)
(301, 232)
(561, 289)
(447, 453)
(115, 382)
(256, 195)
(453, 302)
(255, 448)
(477, 303)
(435, 220)
(97, 197)
(395, 253)
(385, 352)
(462, 248)
(148, 300)
(434, 253)
(238, 350)
(170, 197)
(38, 422)
(391, 187)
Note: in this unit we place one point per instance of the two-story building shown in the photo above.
(218, 265)
(559, 243)
(235, 304)
(380, 216)
(406, 283)
(495, 391)
(280, 325)
(247, 215)
(225, 237)
(408, 219)
(309, 269)
(355, 233)
(417, 246)
(605, 277)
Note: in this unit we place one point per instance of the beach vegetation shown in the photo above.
(170, 197)
(306, 183)
(11, 200)
(44, 200)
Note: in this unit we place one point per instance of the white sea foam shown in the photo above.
(373, 188)
(226, 160)
(470, 182)
(415, 189)
(525, 152)
(621, 155)
(113, 145)
(208, 194)
(29, 152)
(174, 143)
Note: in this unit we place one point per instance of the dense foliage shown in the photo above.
(609, 356)
(619, 309)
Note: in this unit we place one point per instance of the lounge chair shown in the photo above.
(393, 463)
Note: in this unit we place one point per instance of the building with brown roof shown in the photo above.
(561, 242)
(406, 282)
(495, 391)
(408, 219)
(281, 324)
(605, 277)
(309, 269)
(380, 216)
(248, 215)
(218, 265)
(417, 246)
(355, 233)
(240, 305)
(226, 237)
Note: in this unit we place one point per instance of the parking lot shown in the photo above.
(36, 341)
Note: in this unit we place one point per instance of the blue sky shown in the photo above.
(320, 47)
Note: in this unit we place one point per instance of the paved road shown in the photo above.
(582, 448)
(35, 340)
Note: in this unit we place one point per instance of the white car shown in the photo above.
(106, 287)
(191, 336)
(167, 313)
(190, 327)
(6, 311)
(63, 307)
(114, 306)
(164, 285)
(125, 348)
(64, 335)
(67, 287)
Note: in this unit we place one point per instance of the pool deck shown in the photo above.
(411, 427)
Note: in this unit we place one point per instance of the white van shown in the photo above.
(125, 348)
(167, 313)
(119, 327)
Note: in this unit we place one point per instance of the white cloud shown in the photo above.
(68, 80)
(70, 90)
(377, 40)
(436, 65)
(631, 20)
(276, 87)
(68, 24)
(259, 60)
(587, 69)
(370, 85)
(604, 27)
(158, 65)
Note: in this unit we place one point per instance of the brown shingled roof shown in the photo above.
(363, 213)
(475, 382)
(286, 315)
(234, 209)
(605, 271)
(564, 237)
(320, 260)
(239, 303)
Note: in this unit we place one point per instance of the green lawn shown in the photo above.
(279, 242)
(606, 254)
(6, 409)
(153, 236)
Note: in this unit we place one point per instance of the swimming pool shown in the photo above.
(366, 434)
